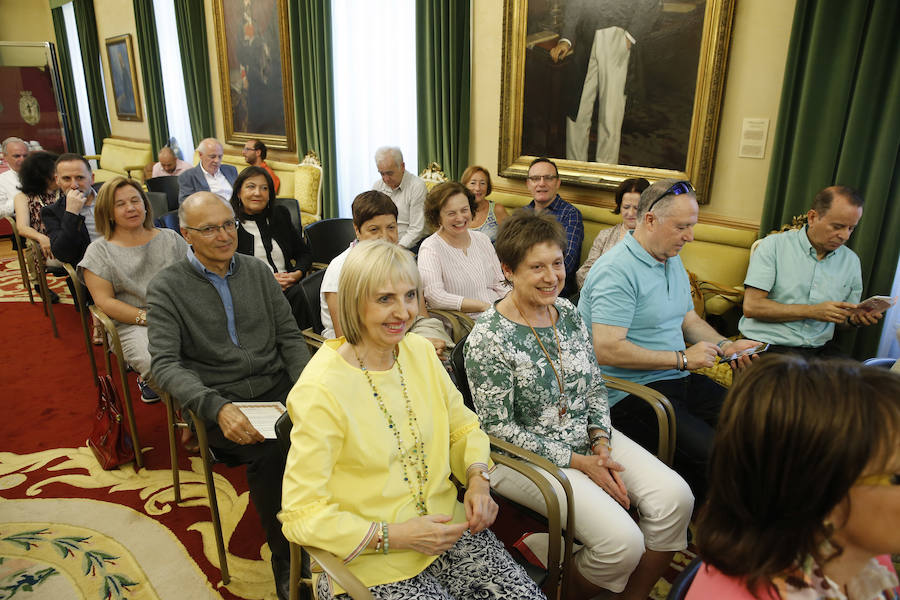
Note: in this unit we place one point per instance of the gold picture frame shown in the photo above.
(694, 146)
(254, 57)
(123, 76)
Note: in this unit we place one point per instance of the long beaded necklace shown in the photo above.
(560, 374)
(408, 461)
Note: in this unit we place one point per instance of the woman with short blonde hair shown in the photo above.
(378, 428)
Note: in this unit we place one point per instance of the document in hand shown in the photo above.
(262, 415)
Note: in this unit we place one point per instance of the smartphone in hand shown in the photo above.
(747, 352)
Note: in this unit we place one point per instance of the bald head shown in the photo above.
(167, 160)
(210, 151)
(195, 206)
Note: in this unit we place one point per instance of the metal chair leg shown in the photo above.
(200, 428)
(173, 446)
(23, 269)
(111, 340)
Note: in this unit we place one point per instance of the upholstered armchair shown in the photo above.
(121, 158)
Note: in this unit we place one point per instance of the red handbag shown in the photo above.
(109, 440)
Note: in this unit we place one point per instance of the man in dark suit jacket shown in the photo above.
(70, 220)
(210, 175)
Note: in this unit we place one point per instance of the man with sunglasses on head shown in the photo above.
(637, 301)
(221, 331)
(543, 183)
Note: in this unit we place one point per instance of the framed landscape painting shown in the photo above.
(120, 55)
(612, 89)
(255, 72)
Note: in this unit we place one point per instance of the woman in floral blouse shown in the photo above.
(536, 384)
(804, 485)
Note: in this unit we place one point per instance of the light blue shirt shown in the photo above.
(221, 285)
(629, 288)
(786, 266)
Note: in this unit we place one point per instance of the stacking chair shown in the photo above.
(40, 266)
(167, 185)
(329, 238)
(293, 207)
(23, 268)
(112, 345)
(80, 300)
(158, 204)
(329, 562)
(311, 285)
(459, 322)
(683, 582)
(208, 460)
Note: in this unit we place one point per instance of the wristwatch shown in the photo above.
(485, 475)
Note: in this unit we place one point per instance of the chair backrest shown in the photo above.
(458, 362)
(167, 185)
(329, 238)
(158, 204)
(293, 207)
(311, 286)
(283, 432)
(682, 583)
(884, 363)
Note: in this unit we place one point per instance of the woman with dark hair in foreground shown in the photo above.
(804, 497)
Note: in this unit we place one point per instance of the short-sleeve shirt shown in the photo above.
(130, 269)
(786, 266)
(330, 284)
(629, 288)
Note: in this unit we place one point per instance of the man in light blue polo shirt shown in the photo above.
(637, 300)
(802, 282)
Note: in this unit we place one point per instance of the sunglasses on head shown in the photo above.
(676, 189)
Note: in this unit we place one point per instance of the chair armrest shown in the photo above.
(338, 571)
(91, 157)
(560, 476)
(313, 339)
(665, 414)
(461, 323)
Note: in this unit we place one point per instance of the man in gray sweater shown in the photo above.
(221, 331)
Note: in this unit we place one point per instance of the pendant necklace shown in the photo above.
(410, 462)
(560, 374)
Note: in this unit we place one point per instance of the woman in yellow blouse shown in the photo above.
(378, 430)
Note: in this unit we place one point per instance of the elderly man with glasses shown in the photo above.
(637, 301)
(543, 183)
(220, 331)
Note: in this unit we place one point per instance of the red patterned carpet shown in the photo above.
(68, 529)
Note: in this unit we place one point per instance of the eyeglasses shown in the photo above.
(211, 230)
(880, 479)
(539, 178)
(678, 188)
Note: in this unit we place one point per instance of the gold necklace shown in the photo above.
(407, 462)
(561, 374)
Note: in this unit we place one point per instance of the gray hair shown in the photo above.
(204, 145)
(13, 139)
(391, 152)
(198, 199)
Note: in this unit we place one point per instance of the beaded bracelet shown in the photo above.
(141, 318)
(384, 537)
(379, 539)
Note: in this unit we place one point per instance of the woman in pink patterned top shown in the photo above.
(804, 496)
(459, 267)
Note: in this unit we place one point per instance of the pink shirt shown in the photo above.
(449, 274)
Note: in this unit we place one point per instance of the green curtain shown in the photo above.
(151, 70)
(93, 79)
(839, 124)
(443, 74)
(310, 35)
(75, 143)
(191, 24)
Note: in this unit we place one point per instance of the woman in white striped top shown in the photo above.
(459, 267)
